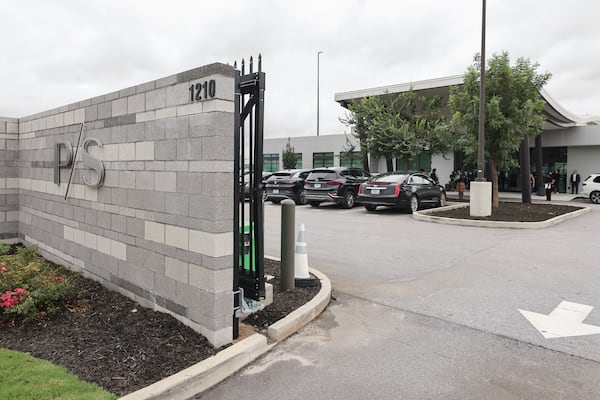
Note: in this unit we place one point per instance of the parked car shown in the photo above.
(402, 190)
(591, 188)
(287, 184)
(336, 184)
(245, 178)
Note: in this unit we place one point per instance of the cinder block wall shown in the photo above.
(9, 197)
(160, 228)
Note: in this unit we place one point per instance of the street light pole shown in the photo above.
(480, 199)
(481, 139)
(318, 68)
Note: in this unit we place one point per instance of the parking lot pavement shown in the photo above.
(362, 350)
(435, 311)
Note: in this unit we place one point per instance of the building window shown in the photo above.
(322, 160)
(351, 159)
(271, 162)
(420, 161)
(298, 160)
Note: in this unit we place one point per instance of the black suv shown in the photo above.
(287, 184)
(337, 184)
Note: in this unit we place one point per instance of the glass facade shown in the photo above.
(323, 160)
(298, 160)
(554, 158)
(422, 161)
(351, 159)
(271, 162)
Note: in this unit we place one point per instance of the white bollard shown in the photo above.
(301, 256)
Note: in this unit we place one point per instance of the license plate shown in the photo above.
(275, 191)
(317, 185)
(375, 191)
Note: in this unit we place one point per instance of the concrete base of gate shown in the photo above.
(268, 295)
(250, 346)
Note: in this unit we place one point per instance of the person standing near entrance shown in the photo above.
(461, 184)
(549, 185)
(575, 179)
(433, 175)
(556, 177)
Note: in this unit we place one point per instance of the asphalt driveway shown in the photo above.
(432, 311)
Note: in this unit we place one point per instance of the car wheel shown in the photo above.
(442, 201)
(349, 199)
(275, 201)
(314, 203)
(301, 198)
(414, 204)
(595, 197)
(370, 207)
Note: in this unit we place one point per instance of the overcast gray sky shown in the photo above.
(57, 52)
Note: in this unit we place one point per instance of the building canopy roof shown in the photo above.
(556, 116)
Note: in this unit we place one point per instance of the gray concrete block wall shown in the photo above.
(160, 228)
(9, 198)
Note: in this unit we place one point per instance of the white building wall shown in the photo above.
(444, 165)
(586, 160)
(582, 142)
(307, 145)
(588, 135)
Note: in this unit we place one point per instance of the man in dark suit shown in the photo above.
(575, 179)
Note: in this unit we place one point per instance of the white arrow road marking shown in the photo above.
(566, 320)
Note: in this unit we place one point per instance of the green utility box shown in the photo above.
(247, 244)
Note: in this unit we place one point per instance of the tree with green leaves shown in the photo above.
(288, 156)
(513, 111)
(347, 151)
(359, 119)
(401, 126)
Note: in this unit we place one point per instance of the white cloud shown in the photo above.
(59, 52)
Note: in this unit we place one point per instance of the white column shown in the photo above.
(480, 196)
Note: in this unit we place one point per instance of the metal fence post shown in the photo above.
(288, 224)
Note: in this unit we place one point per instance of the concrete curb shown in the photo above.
(303, 315)
(206, 374)
(424, 216)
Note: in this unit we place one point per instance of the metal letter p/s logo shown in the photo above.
(58, 162)
(93, 163)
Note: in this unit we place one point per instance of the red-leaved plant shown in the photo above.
(30, 287)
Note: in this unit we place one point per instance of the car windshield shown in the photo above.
(322, 175)
(391, 178)
(282, 174)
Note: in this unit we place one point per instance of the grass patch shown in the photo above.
(23, 377)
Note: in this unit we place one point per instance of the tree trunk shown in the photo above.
(539, 174)
(362, 141)
(494, 173)
(390, 164)
(525, 172)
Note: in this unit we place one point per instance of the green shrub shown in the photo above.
(31, 287)
(4, 248)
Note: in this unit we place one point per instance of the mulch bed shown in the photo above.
(283, 302)
(513, 212)
(110, 340)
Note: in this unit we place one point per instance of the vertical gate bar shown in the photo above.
(236, 201)
(259, 120)
(242, 188)
(252, 202)
(251, 277)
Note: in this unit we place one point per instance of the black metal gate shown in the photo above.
(248, 272)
